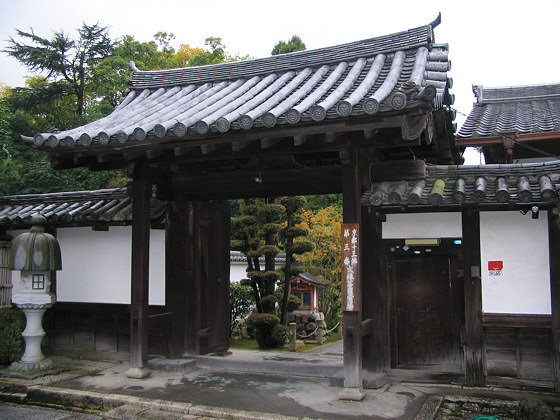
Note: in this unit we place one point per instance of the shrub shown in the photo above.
(268, 331)
(12, 323)
(240, 304)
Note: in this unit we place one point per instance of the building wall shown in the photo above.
(520, 243)
(422, 225)
(237, 271)
(96, 265)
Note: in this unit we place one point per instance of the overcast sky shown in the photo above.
(492, 43)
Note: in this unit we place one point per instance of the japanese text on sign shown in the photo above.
(350, 267)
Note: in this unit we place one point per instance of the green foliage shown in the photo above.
(293, 303)
(12, 323)
(268, 331)
(269, 301)
(293, 44)
(64, 59)
(240, 304)
(302, 247)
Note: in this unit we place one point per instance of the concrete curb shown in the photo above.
(105, 403)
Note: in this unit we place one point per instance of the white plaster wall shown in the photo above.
(422, 225)
(523, 287)
(96, 265)
(237, 272)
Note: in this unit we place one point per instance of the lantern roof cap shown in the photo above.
(36, 250)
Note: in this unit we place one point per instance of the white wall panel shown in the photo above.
(422, 225)
(521, 244)
(96, 265)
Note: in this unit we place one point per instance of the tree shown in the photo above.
(324, 260)
(65, 61)
(255, 234)
(289, 235)
(109, 79)
(294, 44)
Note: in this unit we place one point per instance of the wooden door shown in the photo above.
(426, 313)
(197, 276)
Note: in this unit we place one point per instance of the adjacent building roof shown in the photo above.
(521, 109)
(398, 72)
(498, 186)
(82, 208)
(511, 123)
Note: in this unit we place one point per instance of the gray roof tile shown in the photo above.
(359, 78)
(498, 184)
(83, 208)
(524, 109)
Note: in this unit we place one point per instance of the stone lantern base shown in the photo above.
(31, 366)
(33, 358)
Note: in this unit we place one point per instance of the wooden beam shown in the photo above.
(473, 345)
(141, 195)
(318, 180)
(484, 141)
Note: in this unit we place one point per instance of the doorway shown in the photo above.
(426, 311)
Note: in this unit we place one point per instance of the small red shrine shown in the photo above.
(306, 288)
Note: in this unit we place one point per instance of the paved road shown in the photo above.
(29, 412)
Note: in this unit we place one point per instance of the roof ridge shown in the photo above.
(403, 40)
(76, 195)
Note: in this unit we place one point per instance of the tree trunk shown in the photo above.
(287, 273)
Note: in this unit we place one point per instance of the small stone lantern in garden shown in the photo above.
(36, 254)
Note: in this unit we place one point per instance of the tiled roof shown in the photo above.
(85, 208)
(503, 185)
(312, 279)
(401, 71)
(239, 257)
(522, 109)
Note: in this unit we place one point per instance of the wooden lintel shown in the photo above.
(317, 180)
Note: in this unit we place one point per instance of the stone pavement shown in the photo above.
(247, 385)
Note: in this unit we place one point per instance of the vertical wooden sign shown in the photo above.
(351, 267)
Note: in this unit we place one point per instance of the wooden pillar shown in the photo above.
(375, 296)
(554, 251)
(176, 269)
(5, 273)
(473, 345)
(351, 197)
(141, 195)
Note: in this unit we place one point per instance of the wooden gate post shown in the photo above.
(554, 251)
(139, 329)
(352, 290)
(473, 345)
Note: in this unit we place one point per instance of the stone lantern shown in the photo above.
(36, 254)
